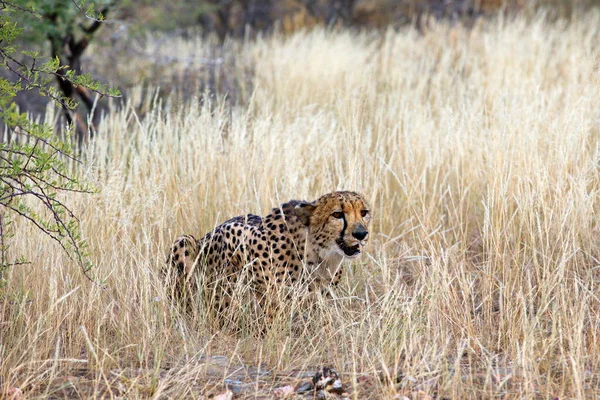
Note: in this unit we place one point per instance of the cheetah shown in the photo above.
(298, 244)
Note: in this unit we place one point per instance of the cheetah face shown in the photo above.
(338, 223)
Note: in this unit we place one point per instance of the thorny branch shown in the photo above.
(96, 20)
(36, 172)
(60, 230)
(32, 69)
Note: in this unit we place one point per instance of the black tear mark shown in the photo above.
(345, 224)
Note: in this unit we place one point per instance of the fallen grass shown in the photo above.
(478, 150)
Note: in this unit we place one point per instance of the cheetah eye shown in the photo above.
(338, 215)
(364, 213)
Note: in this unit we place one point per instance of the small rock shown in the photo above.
(237, 387)
(228, 395)
(304, 387)
(284, 392)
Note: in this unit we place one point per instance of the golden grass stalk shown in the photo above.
(478, 150)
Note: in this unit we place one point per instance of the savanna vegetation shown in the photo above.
(477, 145)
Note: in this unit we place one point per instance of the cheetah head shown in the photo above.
(338, 223)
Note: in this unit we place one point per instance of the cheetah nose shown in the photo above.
(360, 233)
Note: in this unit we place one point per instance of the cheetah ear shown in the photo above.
(303, 211)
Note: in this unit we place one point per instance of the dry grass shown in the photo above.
(479, 152)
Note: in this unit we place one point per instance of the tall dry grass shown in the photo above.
(479, 152)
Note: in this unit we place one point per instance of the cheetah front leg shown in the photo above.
(322, 284)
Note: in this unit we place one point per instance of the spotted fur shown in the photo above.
(298, 243)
